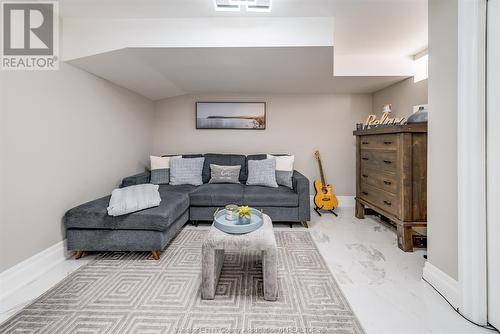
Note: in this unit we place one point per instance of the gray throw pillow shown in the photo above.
(224, 174)
(284, 169)
(160, 176)
(262, 173)
(160, 169)
(284, 178)
(186, 171)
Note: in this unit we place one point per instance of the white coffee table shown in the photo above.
(260, 240)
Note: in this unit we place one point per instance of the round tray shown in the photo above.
(232, 226)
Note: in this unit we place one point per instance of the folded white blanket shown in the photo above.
(133, 198)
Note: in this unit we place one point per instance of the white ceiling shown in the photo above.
(205, 8)
(362, 27)
(365, 30)
(159, 73)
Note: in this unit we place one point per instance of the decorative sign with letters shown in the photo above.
(384, 120)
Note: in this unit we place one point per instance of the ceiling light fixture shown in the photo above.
(226, 6)
(260, 6)
(249, 5)
(242, 2)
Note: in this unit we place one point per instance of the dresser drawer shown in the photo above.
(381, 180)
(380, 198)
(379, 160)
(384, 142)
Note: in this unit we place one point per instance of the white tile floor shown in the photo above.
(382, 283)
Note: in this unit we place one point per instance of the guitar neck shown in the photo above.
(321, 173)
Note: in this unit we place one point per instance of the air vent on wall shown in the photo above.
(248, 5)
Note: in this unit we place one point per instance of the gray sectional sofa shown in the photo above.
(90, 228)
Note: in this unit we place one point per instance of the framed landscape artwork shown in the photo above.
(231, 115)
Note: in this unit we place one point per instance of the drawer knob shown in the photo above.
(364, 193)
(364, 175)
(387, 182)
(388, 162)
(388, 142)
(365, 158)
(365, 142)
(388, 203)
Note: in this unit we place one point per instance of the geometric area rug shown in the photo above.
(131, 293)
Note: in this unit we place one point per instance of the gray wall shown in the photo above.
(296, 124)
(402, 95)
(66, 137)
(442, 156)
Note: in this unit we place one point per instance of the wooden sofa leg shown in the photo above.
(78, 254)
(305, 224)
(155, 255)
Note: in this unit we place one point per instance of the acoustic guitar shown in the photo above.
(324, 199)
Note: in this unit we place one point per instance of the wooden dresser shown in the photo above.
(391, 176)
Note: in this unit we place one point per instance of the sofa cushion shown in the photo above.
(217, 195)
(93, 215)
(182, 188)
(265, 196)
(191, 156)
(256, 156)
(224, 160)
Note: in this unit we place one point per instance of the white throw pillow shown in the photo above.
(161, 162)
(283, 162)
(133, 198)
(284, 169)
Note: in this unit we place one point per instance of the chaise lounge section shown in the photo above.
(90, 228)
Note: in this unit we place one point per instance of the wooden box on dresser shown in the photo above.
(391, 176)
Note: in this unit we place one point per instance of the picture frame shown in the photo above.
(231, 115)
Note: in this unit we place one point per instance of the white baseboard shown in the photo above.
(26, 271)
(344, 201)
(446, 285)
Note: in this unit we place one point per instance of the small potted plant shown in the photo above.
(244, 215)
